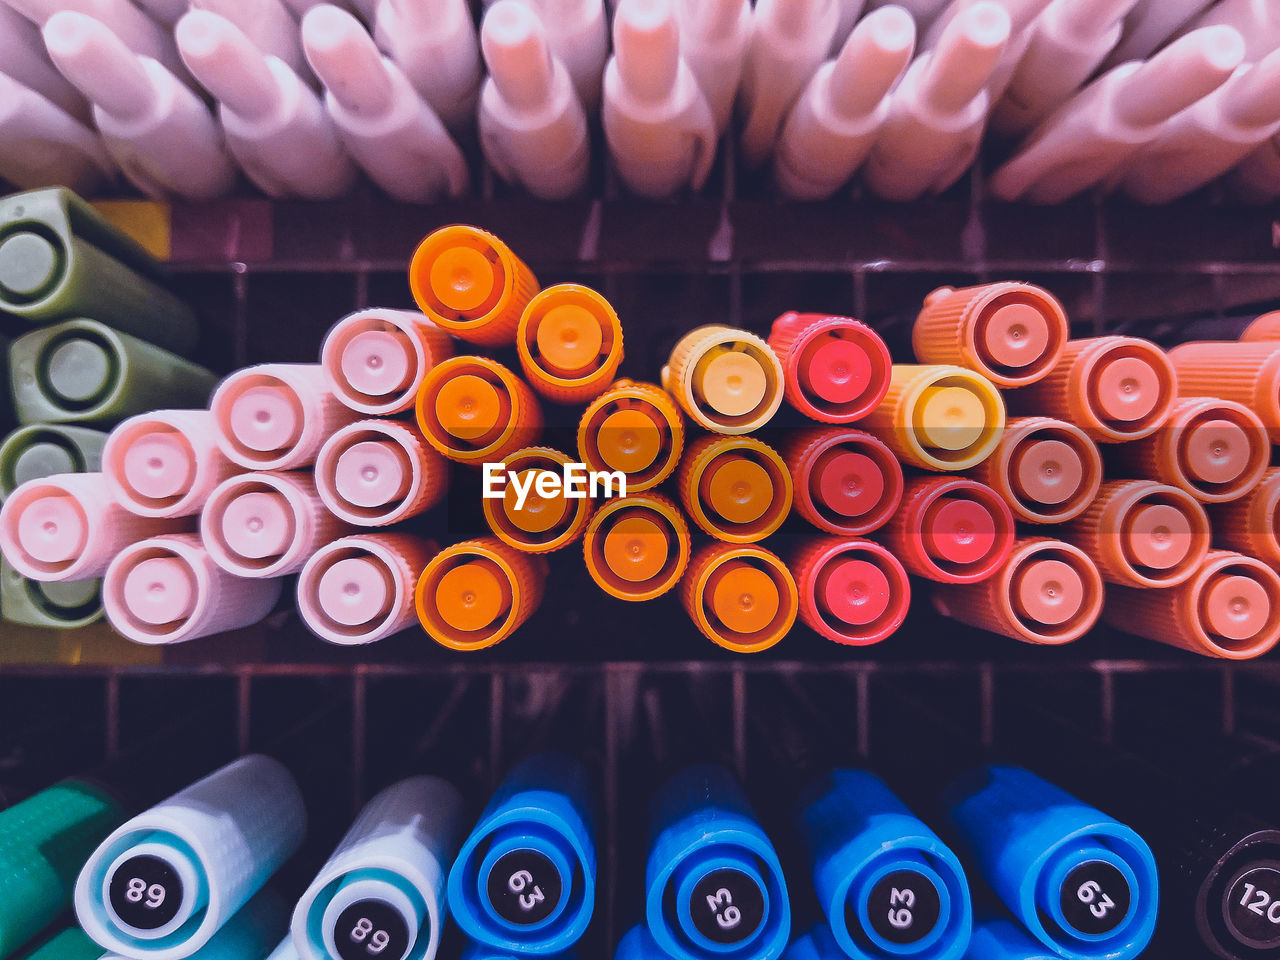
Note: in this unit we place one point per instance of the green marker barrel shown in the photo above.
(69, 944)
(45, 449)
(61, 606)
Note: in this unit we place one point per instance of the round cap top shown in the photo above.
(1158, 535)
(1236, 606)
(468, 407)
(71, 594)
(159, 465)
(472, 596)
(958, 530)
(1048, 591)
(378, 363)
(79, 370)
(463, 278)
(1047, 471)
(855, 591)
(372, 473)
(1014, 335)
(44, 458)
(1216, 451)
(848, 483)
(732, 382)
(569, 339)
(265, 417)
(537, 514)
(1128, 388)
(737, 488)
(355, 591)
(629, 441)
(949, 418)
(835, 370)
(161, 590)
(28, 264)
(636, 548)
(743, 598)
(53, 529)
(258, 524)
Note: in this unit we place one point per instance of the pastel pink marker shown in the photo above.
(166, 463)
(169, 590)
(375, 472)
(360, 589)
(375, 360)
(267, 524)
(276, 416)
(68, 527)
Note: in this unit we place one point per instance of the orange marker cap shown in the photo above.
(474, 594)
(1251, 524)
(637, 547)
(742, 598)
(939, 417)
(1247, 373)
(541, 524)
(951, 529)
(846, 480)
(836, 368)
(635, 428)
(727, 380)
(852, 591)
(473, 409)
(736, 489)
(1266, 328)
(570, 343)
(1047, 470)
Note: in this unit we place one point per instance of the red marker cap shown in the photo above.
(951, 529)
(851, 591)
(836, 369)
(848, 482)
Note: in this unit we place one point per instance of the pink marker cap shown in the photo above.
(374, 360)
(53, 529)
(258, 524)
(165, 463)
(951, 529)
(1158, 535)
(1127, 388)
(1236, 606)
(846, 482)
(1048, 591)
(376, 472)
(856, 591)
(851, 591)
(836, 369)
(959, 530)
(160, 590)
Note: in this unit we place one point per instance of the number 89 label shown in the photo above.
(371, 930)
(145, 892)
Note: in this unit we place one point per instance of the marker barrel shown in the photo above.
(473, 409)
(726, 380)
(372, 473)
(705, 838)
(45, 450)
(1047, 471)
(470, 283)
(847, 481)
(1248, 373)
(374, 360)
(541, 524)
(525, 878)
(360, 589)
(865, 851)
(1263, 329)
(637, 944)
(836, 369)
(852, 592)
(1001, 938)
(211, 847)
(394, 861)
(166, 463)
(82, 371)
(570, 343)
(951, 529)
(939, 417)
(475, 594)
(637, 547)
(1114, 388)
(742, 598)
(1011, 333)
(1043, 852)
(69, 944)
(1249, 525)
(250, 933)
(61, 606)
(737, 489)
(633, 427)
(1141, 533)
(1229, 608)
(1047, 592)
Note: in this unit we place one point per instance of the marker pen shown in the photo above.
(637, 944)
(275, 125)
(737, 489)
(285, 951)
(570, 343)
(539, 524)
(713, 41)
(951, 529)
(475, 594)
(473, 409)
(60, 606)
(532, 125)
(1114, 388)
(46, 449)
(852, 591)
(1228, 608)
(1247, 373)
(789, 41)
(69, 527)
(480, 951)
(742, 598)
(161, 133)
(41, 142)
(374, 360)
(997, 937)
(939, 417)
(269, 26)
(835, 369)
(382, 891)
(469, 282)
(525, 878)
(657, 122)
(847, 481)
(637, 547)
(360, 589)
(435, 45)
(1082, 883)
(1011, 333)
(84, 372)
(60, 258)
(727, 380)
(1263, 329)
(1256, 179)
(1096, 132)
(1256, 20)
(372, 473)
(938, 112)
(200, 856)
(922, 11)
(165, 464)
(709, 854)
(1047, 471)
(837, 118)
(1047, 592)
(259, 525)
(168, 12)
(68, 944)
(389, 130)
(276, 416)
(1149, 24)
(24, 59)
(578, 33)
(1248, 525)
(249, 935)
(633, 427)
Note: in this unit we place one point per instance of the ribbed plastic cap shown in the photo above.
(636, 548)
(1158, 535)
(473, 595)
(1236, 607)
(373, 473)
(53, 529)
(855, 591)
(1048, 591)
(1216, 451)
(835, 370)
(1013, 335)
(569, 340)
(847, 482)
(464, 280)
(79, 371)
(1126, 388)
(266, 417)
(30, 266)
(958, 530)
(537, 514)
(949, 417)
(469, 407)
(160, 590)
(742, 597)
(730, 382)
(258, 524)
(1047, 471)
(355, 591)
(629, 441)
(159, 465)
(43, 459)
(737, 489)
(378, 362)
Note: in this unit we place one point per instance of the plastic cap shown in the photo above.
(569, 339)
(473, 595)
(1047, 471)
(855, 591)
(636, 549)
(43, 459)
(53, 529)
(949, 418)
(846, 482)
(160, 590)
(1048, 591)
(378, 362)
(731, 382)
(159, 465)
(355, 591)
(258, 524)
(738, 489)
(1236, 607)
(266, 417)
(1014, 335)
(1158, 535)
(958, 530)
(745, 599)
(537, 514)
(78, 370)
(468, 407)
(836, 370)
(463, 279)
(629, 441)
(373, 473)
(1128, 388)
(1216, 451)
(29, 265)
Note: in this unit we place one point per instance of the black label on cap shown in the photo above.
(145, 892)
(904, 906)
(371, 928)
(727, 907)
(1252, 906)
(524, 887)
(1095, 897)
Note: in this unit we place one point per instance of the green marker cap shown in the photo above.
(57, 606)
(69, 944)
(43, 450)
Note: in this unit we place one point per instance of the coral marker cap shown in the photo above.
(959, 530)
(727, 380)
(376, 472)
(570, 343)
(374, 360)
(735, 488)
(637, 547)
(475, 594)
(539, 524)
(1158, 535)
(851, 591)
(473, 409)
(633, 427)
(742, 598)
(951, 529)
(836, 368)
(1265, 328)
(166, 463)
(1047, 470)
(1251, 524)
(939, 417)
(1048, 591)
(846, 480)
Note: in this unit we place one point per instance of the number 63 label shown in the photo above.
(727, 906)
(1095, 897)
(524, 887)
(904, 906)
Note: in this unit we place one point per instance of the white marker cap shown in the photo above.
(166, 463)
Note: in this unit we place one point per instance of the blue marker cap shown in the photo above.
(481, 951)
(1000, 938)
(817, 944)
(637, 944)
(714, 886)
(525, 879)
(1082, 883)
(888, 885)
